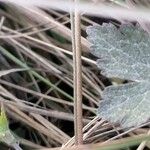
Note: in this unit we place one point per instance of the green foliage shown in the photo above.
(124, 53)
(3, 122)
(6, 136)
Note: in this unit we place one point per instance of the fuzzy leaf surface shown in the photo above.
(124, 53)
(126, 104)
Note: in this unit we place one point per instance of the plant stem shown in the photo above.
(77, 74)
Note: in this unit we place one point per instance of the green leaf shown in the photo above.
(127, 104)
(3, 122)
(6, 136)
(124, 53)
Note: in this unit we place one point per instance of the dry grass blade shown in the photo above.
(5, 72)
(2, 22)
(29, 121)
(123, 143)
(50, 45)
(89, 8)
(143, 144)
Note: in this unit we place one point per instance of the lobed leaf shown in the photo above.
(124, 53)
(127, 104)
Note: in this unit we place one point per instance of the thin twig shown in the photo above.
(77, 74)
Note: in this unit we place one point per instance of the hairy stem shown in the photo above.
(77, 66)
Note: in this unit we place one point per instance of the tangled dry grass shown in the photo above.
(39, 99)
